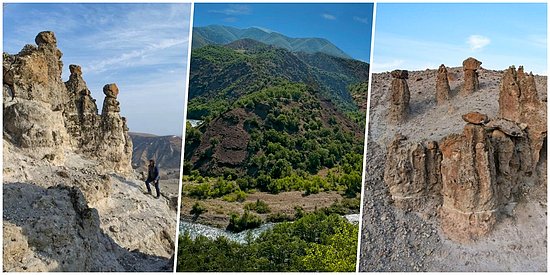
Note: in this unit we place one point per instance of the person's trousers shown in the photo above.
(157, 187)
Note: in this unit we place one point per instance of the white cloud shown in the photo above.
(234, 10)
(478, 42)
(364, 20)
(328, 16)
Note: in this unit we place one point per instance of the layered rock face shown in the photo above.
(442, 88)
(476, 175)
(519, 102)
(49, 116)
(471, 81)
(400, 97)
(469, 184)
(412, 172)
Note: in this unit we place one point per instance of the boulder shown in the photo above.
(475, 118)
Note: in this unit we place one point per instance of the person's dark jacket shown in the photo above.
(153, 174)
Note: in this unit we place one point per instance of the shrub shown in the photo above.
(259, 207)
(238, 195)
(197, 209)
(244, 222)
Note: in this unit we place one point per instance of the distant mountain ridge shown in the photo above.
(222, 73)
(165, 150)
(220, 35)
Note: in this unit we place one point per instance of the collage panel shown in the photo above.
(75, 169)
(456, 163)
(273, 148)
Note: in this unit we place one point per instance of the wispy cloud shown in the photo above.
(364, 20)
(135, 57)
(328, 16)
(136, 46)
(234, 9)
(478, 42)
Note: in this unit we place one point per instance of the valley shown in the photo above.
(281, 142)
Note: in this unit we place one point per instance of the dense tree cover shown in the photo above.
(221, 74)
(314, 242)
(289, 145)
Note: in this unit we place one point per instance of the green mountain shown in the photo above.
(275, 119)
(219, 35)
(220, 74)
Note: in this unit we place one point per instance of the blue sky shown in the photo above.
(348, 26)
(140, 47)
(420, 36)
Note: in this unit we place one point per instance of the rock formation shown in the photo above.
(399, 105)
(519, 102)
(71, 199)
(480, 173)
(471, 82)
(412, 172)
(475, 118)
(469, 184)
(49, 116)
(442, 88)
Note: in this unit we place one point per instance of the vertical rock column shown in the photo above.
(400, 97)
(412, 173)
(469, 187)
(471, 82)
(83, 118)
(442, 88)
(519, 102)
(113, 130)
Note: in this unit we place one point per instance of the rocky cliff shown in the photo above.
(47, 116)
(71, 199)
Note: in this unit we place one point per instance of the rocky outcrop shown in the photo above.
(471, 81)
(479, 174)
(50, 117)
(412, 172)
(442, 88)
(469, 184)
(519, 102)
(72, 201)
(399, 105)
(114, 144)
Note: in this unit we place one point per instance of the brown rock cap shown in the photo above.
(110, 90)
(400, 74)
(46, 38)
(471, 64)
(75, 69)
(475, 118)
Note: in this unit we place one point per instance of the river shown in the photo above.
(196, 229)
(195, 122)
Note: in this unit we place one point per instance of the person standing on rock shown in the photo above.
(153, 176)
